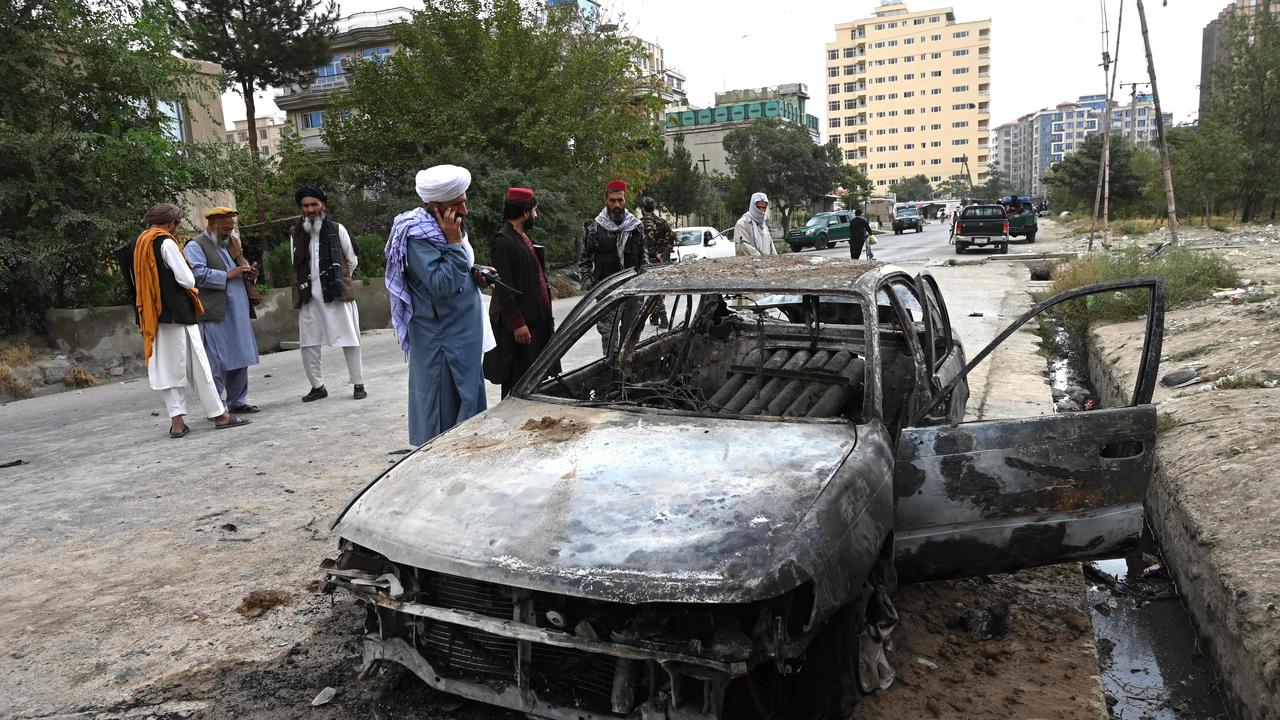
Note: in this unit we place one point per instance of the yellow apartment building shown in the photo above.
(908, 93)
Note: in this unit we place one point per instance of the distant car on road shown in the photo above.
(701, 241)
(983, 226)
(1023, 219)
(821, 231)
(907, 218)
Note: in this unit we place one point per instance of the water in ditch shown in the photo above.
(1148, 651)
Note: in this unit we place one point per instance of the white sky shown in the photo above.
(1043, 51)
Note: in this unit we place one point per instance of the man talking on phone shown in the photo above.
(436, 308)
(224, 326)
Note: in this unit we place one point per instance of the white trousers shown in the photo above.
(176, 399)
(314, 366)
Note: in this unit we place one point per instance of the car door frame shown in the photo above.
(1001, 495)
(942, 370)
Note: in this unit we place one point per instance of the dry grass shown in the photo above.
(18, 355)
(80, 377)
(11, 385)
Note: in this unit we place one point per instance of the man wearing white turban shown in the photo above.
(752, 235)
(436, 308)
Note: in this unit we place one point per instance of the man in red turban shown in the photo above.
(614, 242)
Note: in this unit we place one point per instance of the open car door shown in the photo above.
(1002, 495)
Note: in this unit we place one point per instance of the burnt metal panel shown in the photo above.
(1003, 495)
(627, 506)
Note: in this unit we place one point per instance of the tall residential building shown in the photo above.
(1214, 46)
(908, 94)
(1030, 146)
(668, 82)
(365, 35)
(704, 129)
(271, 133)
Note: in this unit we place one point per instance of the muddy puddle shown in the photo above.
(1148, 650)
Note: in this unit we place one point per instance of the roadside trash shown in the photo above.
(324, 697)
(1155, 571)
(975, 314)
(1178, 377)
(1235, 292)
(927, 663)
(405, 451)
(13, 463)
(983, 624)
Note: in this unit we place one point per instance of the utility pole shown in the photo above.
(1102, 197)
(1133, 108)
(1164, 145)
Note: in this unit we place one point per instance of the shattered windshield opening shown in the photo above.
(723, 354)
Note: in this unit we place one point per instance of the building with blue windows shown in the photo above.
(366, 36)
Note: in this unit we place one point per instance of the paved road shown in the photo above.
(930, 244)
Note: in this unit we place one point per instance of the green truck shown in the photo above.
(821, 231)
(1023, 221)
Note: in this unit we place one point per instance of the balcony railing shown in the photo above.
(374, 18)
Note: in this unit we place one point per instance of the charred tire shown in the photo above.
(820, 243)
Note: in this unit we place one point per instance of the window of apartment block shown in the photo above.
(936, 108)
(893, 113)
(909, 76)
(909, 93)
(937, 178)
(880, 26)
(893, 131)
(879, 80)
(958, 159)
(909, 111)
(880, 44)
(959, 53)
(936, 38)
(313, 120)
(909, 58)
(935, 73)
(849, 52)
(961, 34)
(244, 136)
(880, 131)
(909, 163)
(960, 124)
(880, 114)
(882, 148)
(833, 105)
(833, 72)
(262, 133)
(893, 164)
(833, 122)
(893, 43)
(935, 161)
(959, 70)
(879, 63)
(918, 21)
(850, 69)
(833, 54)
(909, 41)
(893, 61)
(960, 141)
(880, 166)
(935, 18)
(265, 150)
(833, 89)
(850, 121)
(850, 154)
(850, 137)
(961, 106)
(851, 87)
(935, 91)
(936, 56)
(959, 88)
(850, 104)
(375, 54)
(880, 97)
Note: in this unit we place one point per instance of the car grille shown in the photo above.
(563, 676)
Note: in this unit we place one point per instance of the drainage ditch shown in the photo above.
(1148, 651)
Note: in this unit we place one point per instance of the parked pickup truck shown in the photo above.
(1023, 221)
(982, 225)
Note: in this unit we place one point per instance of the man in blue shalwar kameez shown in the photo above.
(224, 327)
(436, 308)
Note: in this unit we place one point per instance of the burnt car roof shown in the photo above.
(809, 273)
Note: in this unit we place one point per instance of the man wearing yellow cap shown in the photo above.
(225, 328)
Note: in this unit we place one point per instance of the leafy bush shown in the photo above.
(280, 265)
(371, 250)
(1188, 275)
(1135, 227)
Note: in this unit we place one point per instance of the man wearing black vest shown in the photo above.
(228, 335)
(614, 241)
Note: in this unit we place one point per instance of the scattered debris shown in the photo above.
(229, 527)
(983, 624)
(13, 463)
(260, 602)
(324, 697)
(405, 451)
(559, 429)
(1179, 377)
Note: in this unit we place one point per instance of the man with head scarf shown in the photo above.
(613, 242)
(436, 307)
(168, 308)
(323, 292)
(521, 320)
(228, 335)
(752, 234)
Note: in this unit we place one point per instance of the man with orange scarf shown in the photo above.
(168, 306)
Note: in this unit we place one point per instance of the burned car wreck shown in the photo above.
(709, 520)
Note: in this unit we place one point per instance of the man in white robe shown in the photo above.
(323, 292)
(168, 306)
(752, 234)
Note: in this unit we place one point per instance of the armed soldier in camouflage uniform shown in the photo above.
(658, 243)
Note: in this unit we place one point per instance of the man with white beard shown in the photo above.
(323, 260)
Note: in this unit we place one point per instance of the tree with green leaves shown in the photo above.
(780, 159)
(997, 185)
(259, 44)
(1246, 95)
(679, 190)
(518, 98)
(912, 189)
(1209, 164)
(955, 189)
(86, 146)
(855, 185)
(1073, 181)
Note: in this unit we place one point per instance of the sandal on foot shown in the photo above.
(181, 433)
(235, 421)
(245, 409)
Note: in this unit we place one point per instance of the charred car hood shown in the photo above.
(603, 503)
